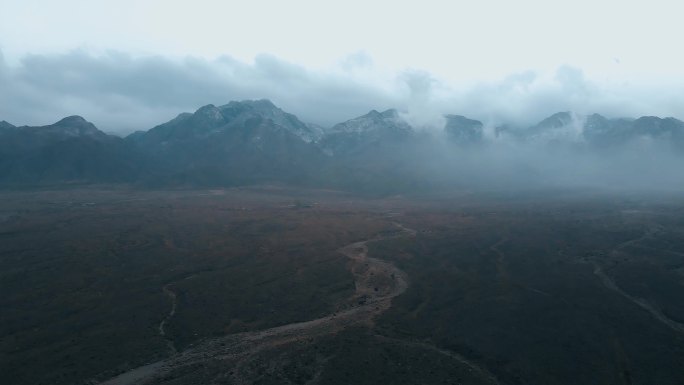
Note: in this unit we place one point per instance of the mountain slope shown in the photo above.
(254, 141)
(6, 126)
(238, 143)
(378, 152)
(71, 150)
(370, 132)
(463, 130)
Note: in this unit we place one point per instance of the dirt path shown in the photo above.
(610, 284)
(377, 282)
(162, 324)
(482, 373)
(642, 303)
(500, 266)
(504, 276)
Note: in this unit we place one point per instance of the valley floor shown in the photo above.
(270, 285)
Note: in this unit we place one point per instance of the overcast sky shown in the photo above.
(131, 64)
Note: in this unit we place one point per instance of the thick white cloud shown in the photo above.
(456, 40)
(122, 93)
(129, 64)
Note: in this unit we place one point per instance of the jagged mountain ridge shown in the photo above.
(365, 133)
(4, 125)
(210, 119)
(463, 130)
(597, 130)
(240, 142)
(255, 141)
(70, 150)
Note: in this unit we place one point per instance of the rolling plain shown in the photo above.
(275, 285)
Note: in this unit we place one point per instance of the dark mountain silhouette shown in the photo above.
(4, 126)
(376, 152)
(669, 129)
(251, 142)
(602, 131)
(599, 131)
(553, 127)
(239, 143)
(71, 150)
(368, 133)
(463, 130)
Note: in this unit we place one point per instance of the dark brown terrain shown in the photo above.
(272, 285)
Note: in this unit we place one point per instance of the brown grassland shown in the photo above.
(274, 285)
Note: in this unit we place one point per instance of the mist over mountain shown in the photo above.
(365, 133)
(254, 141)
(463, 130)
(123, 92)
(6, 125)
(237, 143)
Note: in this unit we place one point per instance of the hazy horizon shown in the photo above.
(428, 198)
(137, 66)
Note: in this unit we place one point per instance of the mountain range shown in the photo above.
(254, 141)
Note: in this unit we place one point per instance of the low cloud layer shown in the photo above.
(121, 93)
